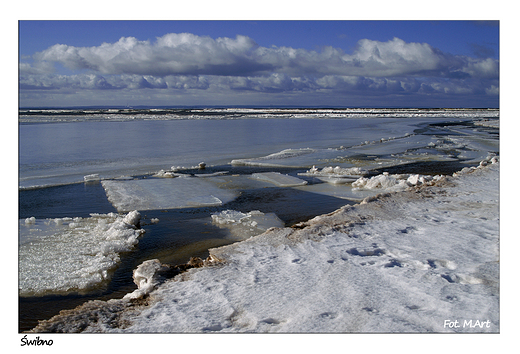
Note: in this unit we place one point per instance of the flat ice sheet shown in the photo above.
(166, 193)
(279, 179)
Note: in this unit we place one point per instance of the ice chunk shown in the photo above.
(279, 179)
(59, 256)
(146, 277)
(246, 225)
(91, 178)
(154, 194)
(166, 174)
(335, 175)
(392, 182)
(338, 171)
(132, 218)
(383, 181)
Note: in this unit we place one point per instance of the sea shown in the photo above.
(103, 190)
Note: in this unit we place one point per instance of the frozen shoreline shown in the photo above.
(401, 262)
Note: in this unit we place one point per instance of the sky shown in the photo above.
(262, 63)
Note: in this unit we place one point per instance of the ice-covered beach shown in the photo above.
(288, 215)
(424, 259)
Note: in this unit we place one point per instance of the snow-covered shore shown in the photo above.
(421, 260)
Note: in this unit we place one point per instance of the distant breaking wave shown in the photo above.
(124, 114)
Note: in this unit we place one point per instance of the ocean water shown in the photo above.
(102, 191)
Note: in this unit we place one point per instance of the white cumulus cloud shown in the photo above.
(188, 62)
(189, 54)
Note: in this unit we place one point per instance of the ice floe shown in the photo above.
(62, 255)
(281, 180)
(245, 225)
(160, 193)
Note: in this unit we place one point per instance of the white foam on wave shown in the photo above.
(233, 113)
(63, 255)
(161, 193)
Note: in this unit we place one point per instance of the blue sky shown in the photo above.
(259, 63)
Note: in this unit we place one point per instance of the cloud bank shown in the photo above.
(184, 62)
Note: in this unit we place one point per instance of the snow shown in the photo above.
(413, 261)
